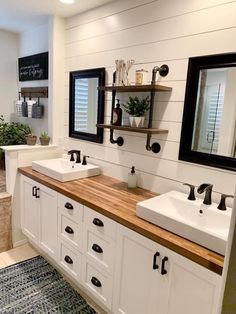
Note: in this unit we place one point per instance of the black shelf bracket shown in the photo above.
(155, 147)
(119, 141)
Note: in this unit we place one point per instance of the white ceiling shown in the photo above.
(20, 15)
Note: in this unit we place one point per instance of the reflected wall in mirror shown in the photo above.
(86, 104)
(209, 120)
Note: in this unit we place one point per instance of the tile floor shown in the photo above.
(17, 255)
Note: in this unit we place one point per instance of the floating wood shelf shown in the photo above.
(136, 88)
(34, 92)
(131, 129)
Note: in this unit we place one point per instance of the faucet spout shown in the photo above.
(207, 188)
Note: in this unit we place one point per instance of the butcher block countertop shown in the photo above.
(113, 199)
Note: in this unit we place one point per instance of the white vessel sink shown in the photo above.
(203, 224)
(64, 170)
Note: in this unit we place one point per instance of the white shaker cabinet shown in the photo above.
(39, 215)
(152, 279)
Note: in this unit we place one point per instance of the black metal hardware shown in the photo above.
(71, 153)
(191, 196)
(96, 248)
(69, 206)
(163, 270)
(34, 190)
(78, 160)
(155, 266)
(155, 147)
(37, 194)
(84, 163)
(69, 230)
(222, 205)
(98, 222)
(119, 141)
(96, 282)
(206, 187)
(68, 259)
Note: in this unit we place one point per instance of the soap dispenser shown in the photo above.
(132, 178)
(117, 114)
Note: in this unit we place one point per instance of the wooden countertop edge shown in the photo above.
(196, 253)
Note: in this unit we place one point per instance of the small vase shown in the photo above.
(138, 122)
(131, 121)
(44, 141)
(31, 140)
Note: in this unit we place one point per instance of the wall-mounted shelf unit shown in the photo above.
(34, 92)
(152, 89)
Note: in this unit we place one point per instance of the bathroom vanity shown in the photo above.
(128, 265)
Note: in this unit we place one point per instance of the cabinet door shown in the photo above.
(29, 209)
(48, 221)
(190, 288)
(137, 286)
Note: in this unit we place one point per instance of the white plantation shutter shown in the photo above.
(81, 105)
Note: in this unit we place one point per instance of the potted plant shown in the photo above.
(31, 139)
(44, 139)
(136, 108)
(11, 133)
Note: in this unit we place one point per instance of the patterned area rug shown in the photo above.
(34, 286)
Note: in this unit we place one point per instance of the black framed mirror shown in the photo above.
(208, 133)
(86, 104)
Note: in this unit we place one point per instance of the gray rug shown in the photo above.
(34, 286)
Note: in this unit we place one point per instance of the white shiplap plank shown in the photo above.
(212, 19)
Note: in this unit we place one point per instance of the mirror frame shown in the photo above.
(185, 152)
(89, 73)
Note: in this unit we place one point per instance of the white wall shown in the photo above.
(35, 41)
(8, 72)
(152, 33)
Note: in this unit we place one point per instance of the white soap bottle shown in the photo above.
(132, 178)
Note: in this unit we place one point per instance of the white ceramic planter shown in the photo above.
(138, 122)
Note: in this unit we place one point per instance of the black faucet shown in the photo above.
(206, 187)
(72, 152)
(191, 196)
(222, 205)
(84, 163)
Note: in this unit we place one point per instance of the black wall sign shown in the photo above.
(34, 67)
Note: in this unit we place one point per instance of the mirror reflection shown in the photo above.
(215, 118)
(86, 98)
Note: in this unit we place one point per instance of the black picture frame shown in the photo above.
(89, 73)
(33, 68)
(185, 152)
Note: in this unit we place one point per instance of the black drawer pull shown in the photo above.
(37, 194)
(69, 206)
(163, 270)
(96, 282)
(155, 266)
(98, 222)
(69, 230)
(34, 190)
(68, 260)
(97, 248)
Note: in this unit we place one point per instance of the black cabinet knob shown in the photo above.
(69, 206)
(163, 270)
(68, 260)
(96, 282)
(69, 230)
(97, 248)
(155, 266)
(98, 222)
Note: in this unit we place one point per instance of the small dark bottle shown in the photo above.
(117, 114)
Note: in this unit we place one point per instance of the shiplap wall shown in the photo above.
(151, 33)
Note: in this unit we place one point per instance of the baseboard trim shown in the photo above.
(19, 243)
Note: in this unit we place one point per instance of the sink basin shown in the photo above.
(203, 224)
(64, 170)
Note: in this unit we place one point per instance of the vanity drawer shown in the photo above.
(70, 231)
(97, 282)
(70, 208)
(100, 250)
(70, 260)
(99, 224)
